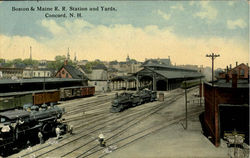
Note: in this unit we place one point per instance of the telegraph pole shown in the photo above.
(213, 56)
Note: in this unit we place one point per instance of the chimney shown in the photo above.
(247, 64)
(230, 66)
(236, 63)
(227, 69)
(227, 78)
(234, 79)
(65, 62)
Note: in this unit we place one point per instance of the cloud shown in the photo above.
(207, 12)
(233, 24)
(178, 7)
(53, 27)
(164, 15)
(114, 42)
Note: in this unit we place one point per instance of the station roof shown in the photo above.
(178, 74)
(38, 80)
(173, 74)
(167, 67)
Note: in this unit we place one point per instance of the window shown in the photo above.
(95, 83)
(242, 72)
(2, 120)
(67, 75)
(38, 74)
(63, 72)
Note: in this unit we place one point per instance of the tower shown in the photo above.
(68, 56)
(30, 53)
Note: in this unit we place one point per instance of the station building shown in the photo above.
(157, 77)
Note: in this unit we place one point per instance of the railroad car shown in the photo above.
(47, 97)
(16, 100)
(190, 83)
(19, 127)
(126, 100)
(78, 91)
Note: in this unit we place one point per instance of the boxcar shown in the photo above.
(49, 96)
(78, 91)
(14, 100)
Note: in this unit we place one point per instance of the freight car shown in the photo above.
(126, 100)
(19, 128)
(78, 91)
(16, 100)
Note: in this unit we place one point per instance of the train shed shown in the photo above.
(162, 77)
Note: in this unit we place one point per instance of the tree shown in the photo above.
(59, 61)
(29, 62)
(91, 64)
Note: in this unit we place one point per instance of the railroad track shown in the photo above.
(120, 143)
(102, 121)
(125, 125)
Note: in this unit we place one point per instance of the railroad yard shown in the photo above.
(90, 117)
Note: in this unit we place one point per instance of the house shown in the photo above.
(68, 71)
(242, 71)
(98, 76)
(11, 73)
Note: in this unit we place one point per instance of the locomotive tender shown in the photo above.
(19, 128)
(126, 100)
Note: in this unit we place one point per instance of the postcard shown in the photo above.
(117, 46)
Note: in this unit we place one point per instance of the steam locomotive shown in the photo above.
(126, 100)
(19, 128)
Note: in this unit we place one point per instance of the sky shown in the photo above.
(185, 31)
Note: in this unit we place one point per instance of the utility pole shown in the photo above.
(186, 103)
(213, 56)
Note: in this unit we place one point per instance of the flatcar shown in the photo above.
(126, 100)
(19, 128)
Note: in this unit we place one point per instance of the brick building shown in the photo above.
(68, 71)
(242, 71)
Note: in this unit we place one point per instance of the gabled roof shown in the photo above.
(77, 74)
(84, 68)
(238, 66)
(172, 74)
(178, 74)
(166, 67)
